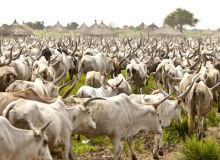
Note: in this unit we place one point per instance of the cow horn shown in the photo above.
(161, 90)
(92, 99)
(161, 101)
(117, 85)
(71, 87)
(18, 54)
(54, 82)
(42, 129)
(171, 77)
(215, 86)
(184, 94)
(129, 78)
(195, 64)
(61, 87)
(60, 78)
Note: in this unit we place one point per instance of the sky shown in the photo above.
(117, 12)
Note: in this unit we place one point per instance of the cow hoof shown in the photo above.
(134, 157)
(160, 152)
(155, 156)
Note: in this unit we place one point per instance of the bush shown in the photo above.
(195, 149)
(212, 119)
(175, 132)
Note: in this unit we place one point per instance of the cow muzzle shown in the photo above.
(92, 125)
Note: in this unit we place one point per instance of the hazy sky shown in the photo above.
(119, 12)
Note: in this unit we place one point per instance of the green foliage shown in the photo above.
(38, 25)
(72, 26)
(138, 145)
(176, 132)
(212, 119)
(179, 18)
(195, 149)
(80, 148)
(101, 141)
(77, 86)
(4, 25)
(30, 24)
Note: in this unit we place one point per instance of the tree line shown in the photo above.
(39, 25)
(176, 19)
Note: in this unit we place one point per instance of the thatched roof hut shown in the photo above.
(142, 26)
(103, 25)
(57, 28)
(97, 30)
(15, 29)
(166, 30)
(151, 27)
(27, 27)
(82, 29)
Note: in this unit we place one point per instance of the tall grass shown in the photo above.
(176, 132)
(195, 149)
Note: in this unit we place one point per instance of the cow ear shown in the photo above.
(37, 133)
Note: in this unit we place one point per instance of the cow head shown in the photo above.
(7, 76)
(40, 143)
(81, 118)
(155, 122)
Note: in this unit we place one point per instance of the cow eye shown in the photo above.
(45, 142)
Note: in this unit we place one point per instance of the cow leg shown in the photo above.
(66, 150)
(156, 146)
(117, 148)
(161, 153)
(200, 127)
(218, 103)
(129, 141)
(71, 154)
(190, 122)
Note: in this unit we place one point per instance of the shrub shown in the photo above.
(212, 119)
(175, 132)
(195, 149)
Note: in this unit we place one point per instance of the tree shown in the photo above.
(4, 25)
(38, 25)
(30, 24)
(72, 25)
(179, 18)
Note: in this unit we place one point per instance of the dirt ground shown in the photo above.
(170, 152)
(103, 153)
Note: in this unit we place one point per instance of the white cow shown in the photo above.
(120, 118)
(19, 144)
(124, 87)
(88, 91)
(64, 121)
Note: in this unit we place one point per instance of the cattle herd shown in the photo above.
(36, 120)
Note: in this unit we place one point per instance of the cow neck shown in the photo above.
(138, 115)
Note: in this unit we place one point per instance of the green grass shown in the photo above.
(176, 132)
(80, 149)
(212, 119)
(195, 149)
